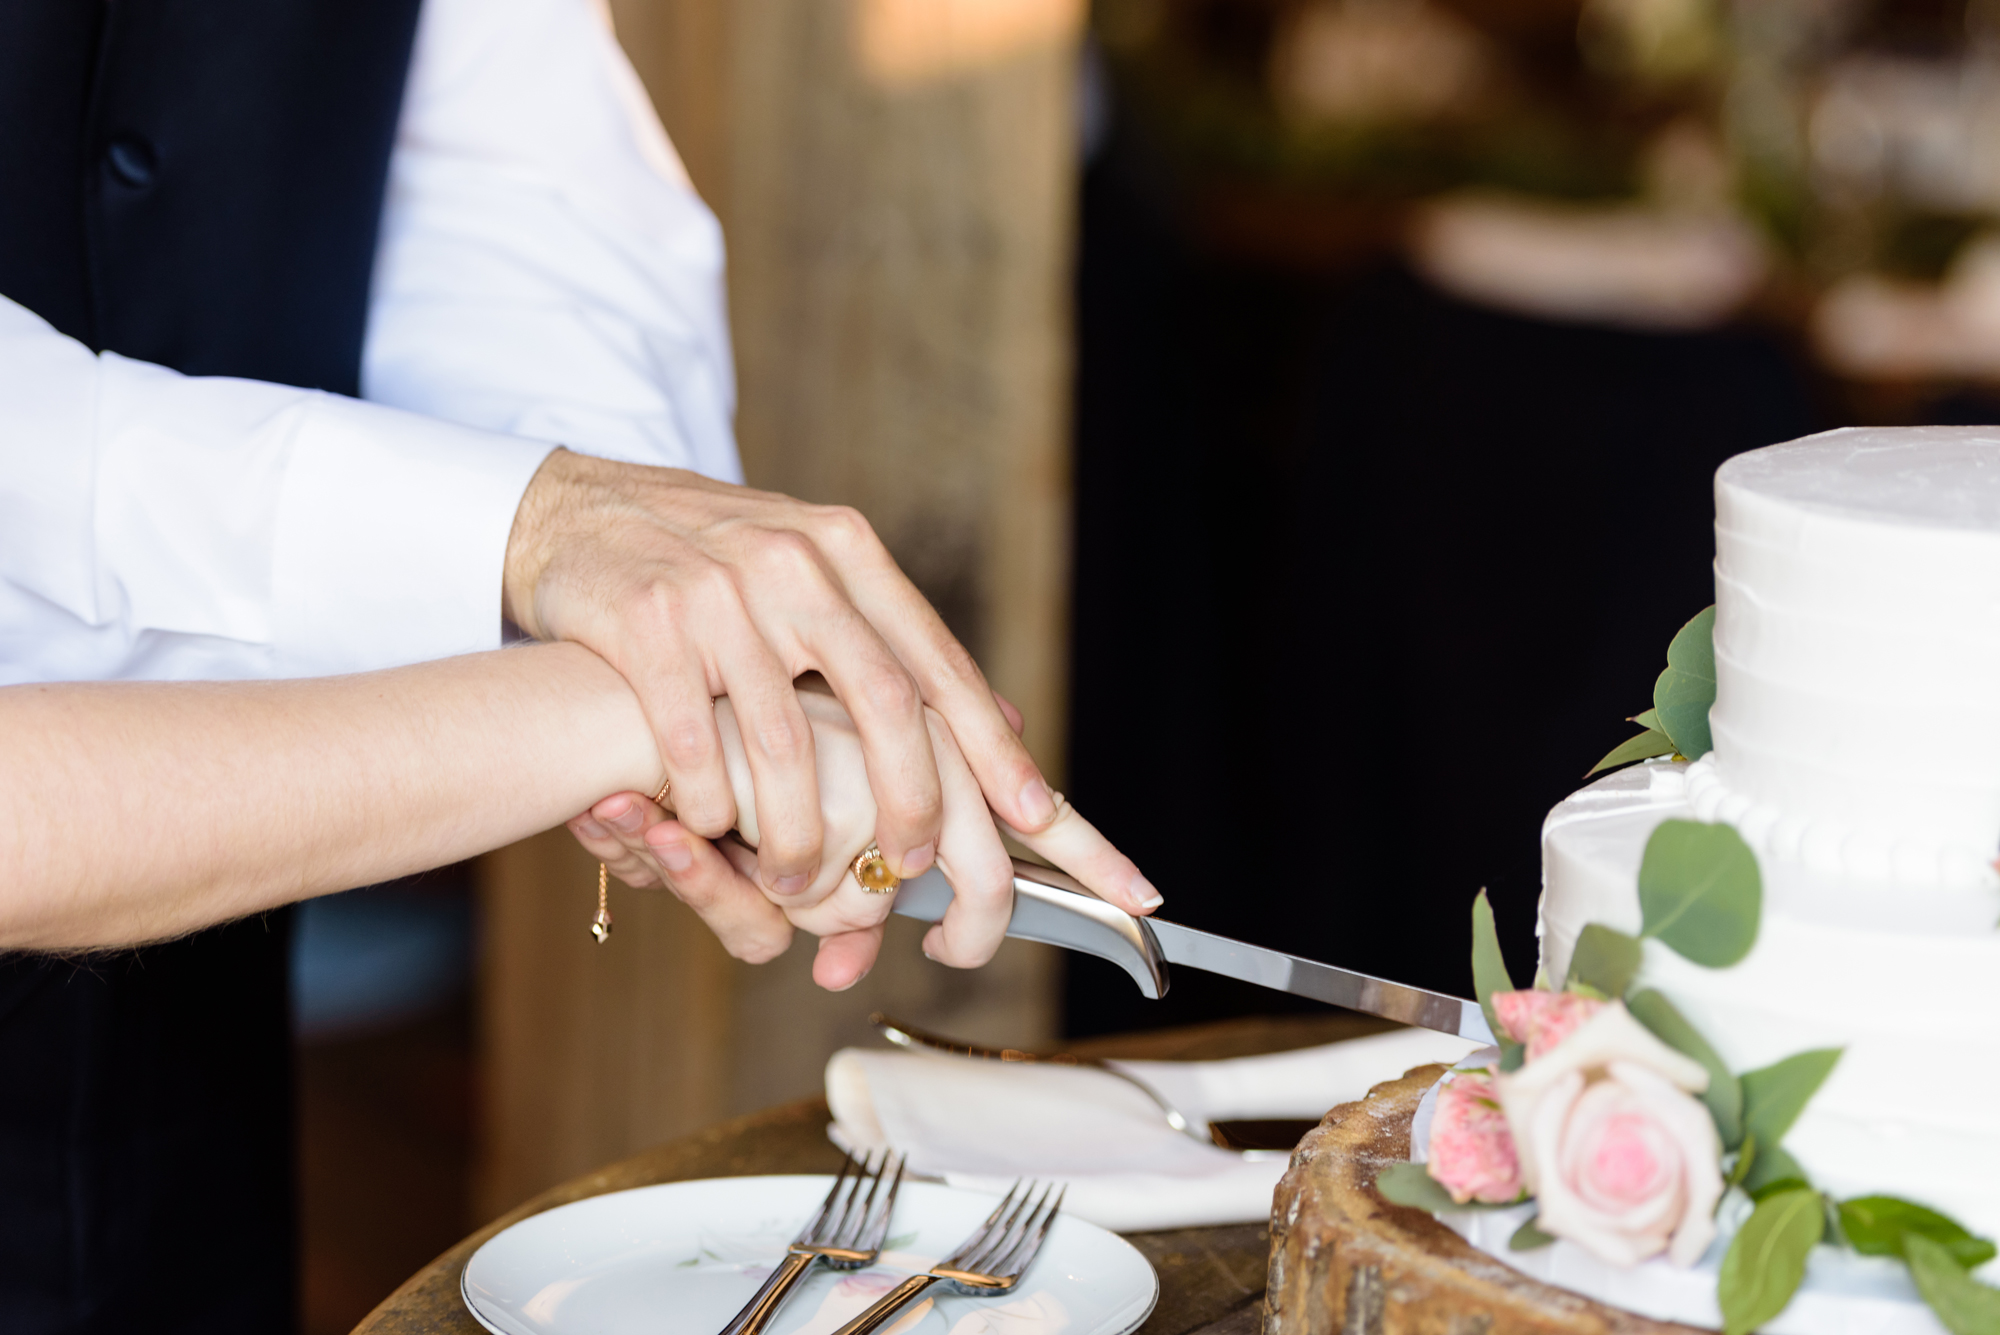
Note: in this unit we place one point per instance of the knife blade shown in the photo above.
(1054, 908)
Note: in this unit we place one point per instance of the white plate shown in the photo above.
(686, 1256)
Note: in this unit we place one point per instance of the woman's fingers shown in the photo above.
(974, 861)
(845, 958)
(1073, 843)
(749, 925)
(603, 836)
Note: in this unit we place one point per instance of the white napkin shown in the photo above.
(981, 1124)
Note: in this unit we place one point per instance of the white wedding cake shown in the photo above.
(1856, 732)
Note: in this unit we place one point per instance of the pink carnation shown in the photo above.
(1542, 1019)
(1472, 1151)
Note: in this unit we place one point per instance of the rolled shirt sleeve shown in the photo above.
(155, 525)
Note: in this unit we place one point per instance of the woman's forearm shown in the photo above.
(132, 812)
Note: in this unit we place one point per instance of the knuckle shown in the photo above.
(892, 693)
(847, 526)
(785, 737)
(957, 666)
(759, 947)
(789, 553)
(689, 740)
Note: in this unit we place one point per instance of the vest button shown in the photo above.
(132, 160)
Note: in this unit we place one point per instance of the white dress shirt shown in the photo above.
(546, 275)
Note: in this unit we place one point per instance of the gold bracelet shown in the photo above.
(600, 926)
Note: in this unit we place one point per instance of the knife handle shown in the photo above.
(1056, 910)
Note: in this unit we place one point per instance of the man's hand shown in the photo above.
(695, 589)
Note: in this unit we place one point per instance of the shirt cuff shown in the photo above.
(392, 537)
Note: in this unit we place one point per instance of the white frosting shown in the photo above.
(1857, 749)
(1857, 646)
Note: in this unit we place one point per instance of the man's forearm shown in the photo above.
(135, 812)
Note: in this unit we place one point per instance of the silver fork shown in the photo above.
(845, 1233)
(988, 1263)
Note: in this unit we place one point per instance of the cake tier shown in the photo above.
(1913, 1108)
(1857, 644)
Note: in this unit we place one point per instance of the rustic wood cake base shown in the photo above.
(1345, 1262)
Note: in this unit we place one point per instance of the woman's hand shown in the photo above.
(644, 846)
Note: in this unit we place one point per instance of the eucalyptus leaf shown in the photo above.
(1685, 692)
(1489, 966)
(1772, 1170)
(1876, 1225)
(1604, 959)
(1700, 892)
(1746, 1156)
(1645, 746)
(1411, 1184)
(1649, 719)
(1529, 1237)
(1767, 1259)
(1775, 1095)
(1962, 1303)
(1724, 1095)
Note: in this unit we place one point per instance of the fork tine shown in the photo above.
(980, 1235)
(878, 1226)
(855, 1218)
(834, 1226)
(1001, 1242)
(806, 1233)
(1023, 1256)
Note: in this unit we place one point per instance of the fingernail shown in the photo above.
(788, 885)
(630, 822)
(1142, 890)
(590, 829)
(1037, 803)
(675, 857)
(918, 860)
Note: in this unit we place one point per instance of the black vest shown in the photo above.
(196, 183)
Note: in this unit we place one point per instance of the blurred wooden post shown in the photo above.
(895, 180)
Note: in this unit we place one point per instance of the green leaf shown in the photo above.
(1489, 966)
(1649, 719)
(1529, 1237)
(1962, 1303)
(1745, 1157)
(1767, 1259)
(1645, 746)
(1604, 959)
(1724, 1095)
(1775, 1095)
(1772, 1170)
(1411, 1184)
(1699, 892)
(1685, 692)
(1876, 1225)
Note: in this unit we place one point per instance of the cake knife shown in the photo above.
(1054, 908)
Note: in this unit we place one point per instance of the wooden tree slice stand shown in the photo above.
(1346, 1262)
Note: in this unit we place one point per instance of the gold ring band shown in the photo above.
(871, 872)
(660, 798)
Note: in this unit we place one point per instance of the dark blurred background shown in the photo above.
(1396, 414)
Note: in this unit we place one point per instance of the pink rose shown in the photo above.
(1542, 1019)
(1472, 1151)
(1623, 1160)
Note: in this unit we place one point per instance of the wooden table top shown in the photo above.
(1211, 1279)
